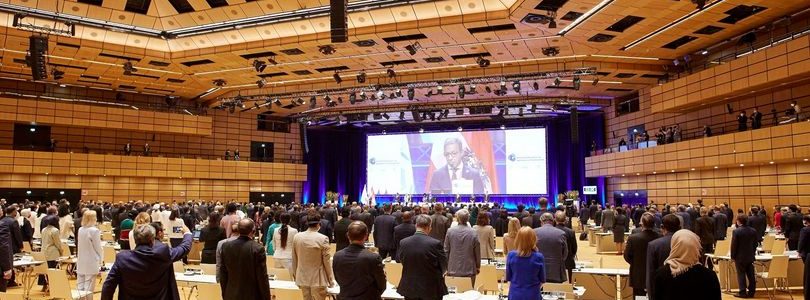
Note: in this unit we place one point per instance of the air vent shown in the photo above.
(302, 72)
(709, 30)
(679, 42)
(601, 38)
(434, 60)
(197, 62)
(94, 82)
(397, 62)
(258, 55)
(332, 69)
(138, 6)
(19, 61)
(175, 80)
(741, 12)
(92, 2)
(159, 63)
(493, 28)
(89, 77)
(471, 55)
(535, 19)
(603, 73)
(552, 5)
(126, 87)
(625, 75)
(365, 43)
(181, 6)
(158, 90)
(63, 44)
(143, 76)
(128, 58)
(269, 75)
(410, 37)
(293, 51)
(68, 66)
(217, 3)
(618, 90)
(571, 16)
(624, 23)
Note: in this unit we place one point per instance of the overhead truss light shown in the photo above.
(259, 65)
(482, 62)
(361, 77)
(413, 48)
(129, 69)
(337, 78)
(327, 50)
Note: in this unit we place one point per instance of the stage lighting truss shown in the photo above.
(65, 28)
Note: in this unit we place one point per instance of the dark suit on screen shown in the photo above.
(244, 270)
(441, 183)
(423, 265)
(359, 273)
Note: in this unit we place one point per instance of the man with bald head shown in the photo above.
(358, 272)
(551, 242)
(243, 274)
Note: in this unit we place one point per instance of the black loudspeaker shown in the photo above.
(302, 133)
(338, 18)
(574, 125)
(37, 48)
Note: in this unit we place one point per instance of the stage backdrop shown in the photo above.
(338, 159)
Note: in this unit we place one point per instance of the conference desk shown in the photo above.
(26, 265)
(600, 284)
(592, 230)
(728, 272)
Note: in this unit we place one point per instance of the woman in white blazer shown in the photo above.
(89, 254)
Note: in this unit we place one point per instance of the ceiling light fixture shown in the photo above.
(361, 77)
(413, 48)
(259, 65)
(261, 83)
(129, 69)
(337, 78)
(482, 62)
(584, 17)
(391, 73)
(327, 50)
(516, 86)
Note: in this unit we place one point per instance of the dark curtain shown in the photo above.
(566, 160)
(336, 162)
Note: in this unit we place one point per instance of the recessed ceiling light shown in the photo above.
(742, 165)
(638, 174)
(655, 172)
(622, 175)
(673, 171)
(693, 169)
(770, 162)
(715, 167)
(805, 159)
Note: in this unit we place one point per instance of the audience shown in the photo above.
(89, 252)
(342, 229)
(311, 266)
(705, 230)
(570, 241)
(525, 267)
(720, 223)
(233, 236)
(141, 219)
(608, 218)
(424, 263)
(620, 225)
(359, 272)
(486, 236)
(462, 248)
(551, 243)
(6, 255)
(243, 274)
(635, 253)
(230, 218)
(658, 250)
(744, 241)
(792, 226)
(403, 231)
(210, 236)
(384, 232)
(682, 276)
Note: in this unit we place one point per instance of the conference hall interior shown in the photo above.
(404, 149)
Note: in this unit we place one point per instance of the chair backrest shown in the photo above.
(209, 291)
(5, 296)
(209, 269)
(462, 284)
(58, 284)
(393, 271)
(558, 287)
(65, 249)
(778, 267)
(270, 262)
(42, 268)
(109, 254)
(723, 248)
(767, 243)
(487, 280)
(287, 294)
(107, 236)
(195, 253)
(499, 243)
(178, 267)
(281, 274)
(778, 247)
(333, 248)
(27, 247)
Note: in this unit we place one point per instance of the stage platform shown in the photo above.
(509, 201)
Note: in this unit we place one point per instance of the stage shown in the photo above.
(510, 202)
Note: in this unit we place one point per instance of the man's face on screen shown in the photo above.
(452, 153)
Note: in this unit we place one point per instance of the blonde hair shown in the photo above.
(526, 241)
(513, 227)
(143, 218)
(89, 218)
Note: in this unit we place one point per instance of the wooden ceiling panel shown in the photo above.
(145, 21)
(113, 4)
(200, 5)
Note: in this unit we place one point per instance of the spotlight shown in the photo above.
(411, 93)
(551, 51)
(337, 78)
(312, 102)
(393, 95)
(704, 52)
(595, 81)
(381, 95)
(421, 130)
(300, 101)
(482, 62)
(503, 127)
(401, 115)
(552, 24)
(460, 128)
(439, 89)
(385, 115)
(503, 88)
(363, 97)
(488, 89)
(129, 69)
(391, 73)
(259, 65)
(554, 108)
(391, 48)
(277, 101)
(536, 86)
(57, 74)
(327, 50)
(472, 90)
(557, 81)
(398, 93)
(533, 109)
(699, 3)
(413, 48)
(577, 82)
(461, 92)
(261, 83)
(520, 112)
(219, 82)
(352, 98)
(516, 86)
(361, 78)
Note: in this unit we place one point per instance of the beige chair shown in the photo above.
(778, 273)
(566, 288)
(393, 271)
(195, 254)
(5, 296)
(487, 280)
(462, 284)
(767, 243)
(27, 247)
(209, 291)
(41, 269)
(281, 274)
(723, 248)
(778, 247)
(60, 287)
(109, 254)
(178, 267)
(107, 237)
(287, 294)
(499, 245)
(209, 269)
(270, 262)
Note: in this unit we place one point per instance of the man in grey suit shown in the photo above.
(658, 250)
(463, 248)
(608, 218)
(439, 223)
(551, 242)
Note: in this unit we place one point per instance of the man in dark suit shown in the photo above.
(792, 227)
(358, 272)
(341, 229)
(757, 221)
(146, 272)
(658, 250)
(635, 253)
(744, 241)
(720, 224)
(329, 213)
(704, 228)
(384, 232)
(6, 255)
(243, 274)
(403, 231)
(570, 241)
(756, 119)
(442, 180)
(584, 216)
(423, 264)
(10, 220)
